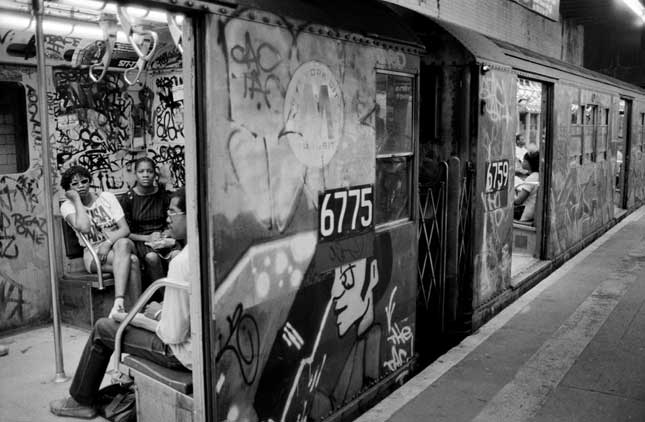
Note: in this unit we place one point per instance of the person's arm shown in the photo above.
(79, 219)
(122, 231)
(521, 196)
(139, 320)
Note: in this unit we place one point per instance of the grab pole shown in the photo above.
(38, 8)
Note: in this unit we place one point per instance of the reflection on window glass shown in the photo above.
(393, 113)
(392, 194)
(574, 114)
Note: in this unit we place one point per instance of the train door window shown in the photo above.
(14, 145)
(602, 135)
(394, 146)
(588, 132)
(621, 146)
(575, 139)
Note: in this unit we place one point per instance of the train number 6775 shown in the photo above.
(345, 211)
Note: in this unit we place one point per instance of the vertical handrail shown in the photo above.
(38, 10)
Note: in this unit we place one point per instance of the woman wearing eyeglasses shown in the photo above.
(99, 216)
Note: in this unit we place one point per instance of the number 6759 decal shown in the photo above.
(345, 211)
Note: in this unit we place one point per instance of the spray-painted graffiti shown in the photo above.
(259, 62)
(497, 124)
(580, 195)
(19, 202)
(11, 298)
(243, 341)
(169, 113)
(398, 336)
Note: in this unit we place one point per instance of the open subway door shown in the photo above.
(310, 147)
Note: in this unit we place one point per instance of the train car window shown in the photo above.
(394, 147)
(589, 132)
(575, 139)
(14, 145)
(621, 118)
(602, 135)
(641, 135)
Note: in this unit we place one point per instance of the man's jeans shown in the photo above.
(98, 349)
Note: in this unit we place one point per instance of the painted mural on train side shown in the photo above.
(103, 126)
(313, 304)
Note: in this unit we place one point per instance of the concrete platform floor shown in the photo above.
(570, 349)
(27, 373)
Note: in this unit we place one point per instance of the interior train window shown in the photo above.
(394, 147)
(14, 146)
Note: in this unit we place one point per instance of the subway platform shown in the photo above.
(570, 349)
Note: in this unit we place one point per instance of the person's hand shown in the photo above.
(154, 236)
(103, 250)
(152, 310)
(72, 195)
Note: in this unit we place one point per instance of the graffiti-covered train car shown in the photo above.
(359, 189)
(311, 146)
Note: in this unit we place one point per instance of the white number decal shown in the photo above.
(342, 195)
(326, 218)
(365, 202)
(355, 193)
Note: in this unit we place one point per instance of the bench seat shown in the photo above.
(179, 380)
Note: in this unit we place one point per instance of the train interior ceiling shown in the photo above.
(115, 90)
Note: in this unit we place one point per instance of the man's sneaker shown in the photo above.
(71, 408)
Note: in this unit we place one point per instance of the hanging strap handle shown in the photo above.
(149, 44)
(109, 39)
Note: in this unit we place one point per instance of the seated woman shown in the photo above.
(99, 216)
(526, 191)
(145, 206)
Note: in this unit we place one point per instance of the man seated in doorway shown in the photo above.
(526, 191)
(520, 151)
(99, 216)
(161, 334)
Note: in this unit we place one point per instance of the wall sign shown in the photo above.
(342, 212)
(496, 176)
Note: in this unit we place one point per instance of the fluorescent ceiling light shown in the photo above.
(637, 8)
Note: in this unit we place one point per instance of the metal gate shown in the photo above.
(443, 235)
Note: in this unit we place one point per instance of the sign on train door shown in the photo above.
(310, 144)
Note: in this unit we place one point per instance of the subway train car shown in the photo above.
(482, 97)
(350, 183)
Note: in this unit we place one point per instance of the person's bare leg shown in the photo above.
(121, 263)
(133, 290)
(154, 266)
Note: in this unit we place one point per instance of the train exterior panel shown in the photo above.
(311, 150)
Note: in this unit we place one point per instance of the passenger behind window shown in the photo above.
(520, 152)
(161, 334)
(145, 206)
(526, 190)
(99, 216)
